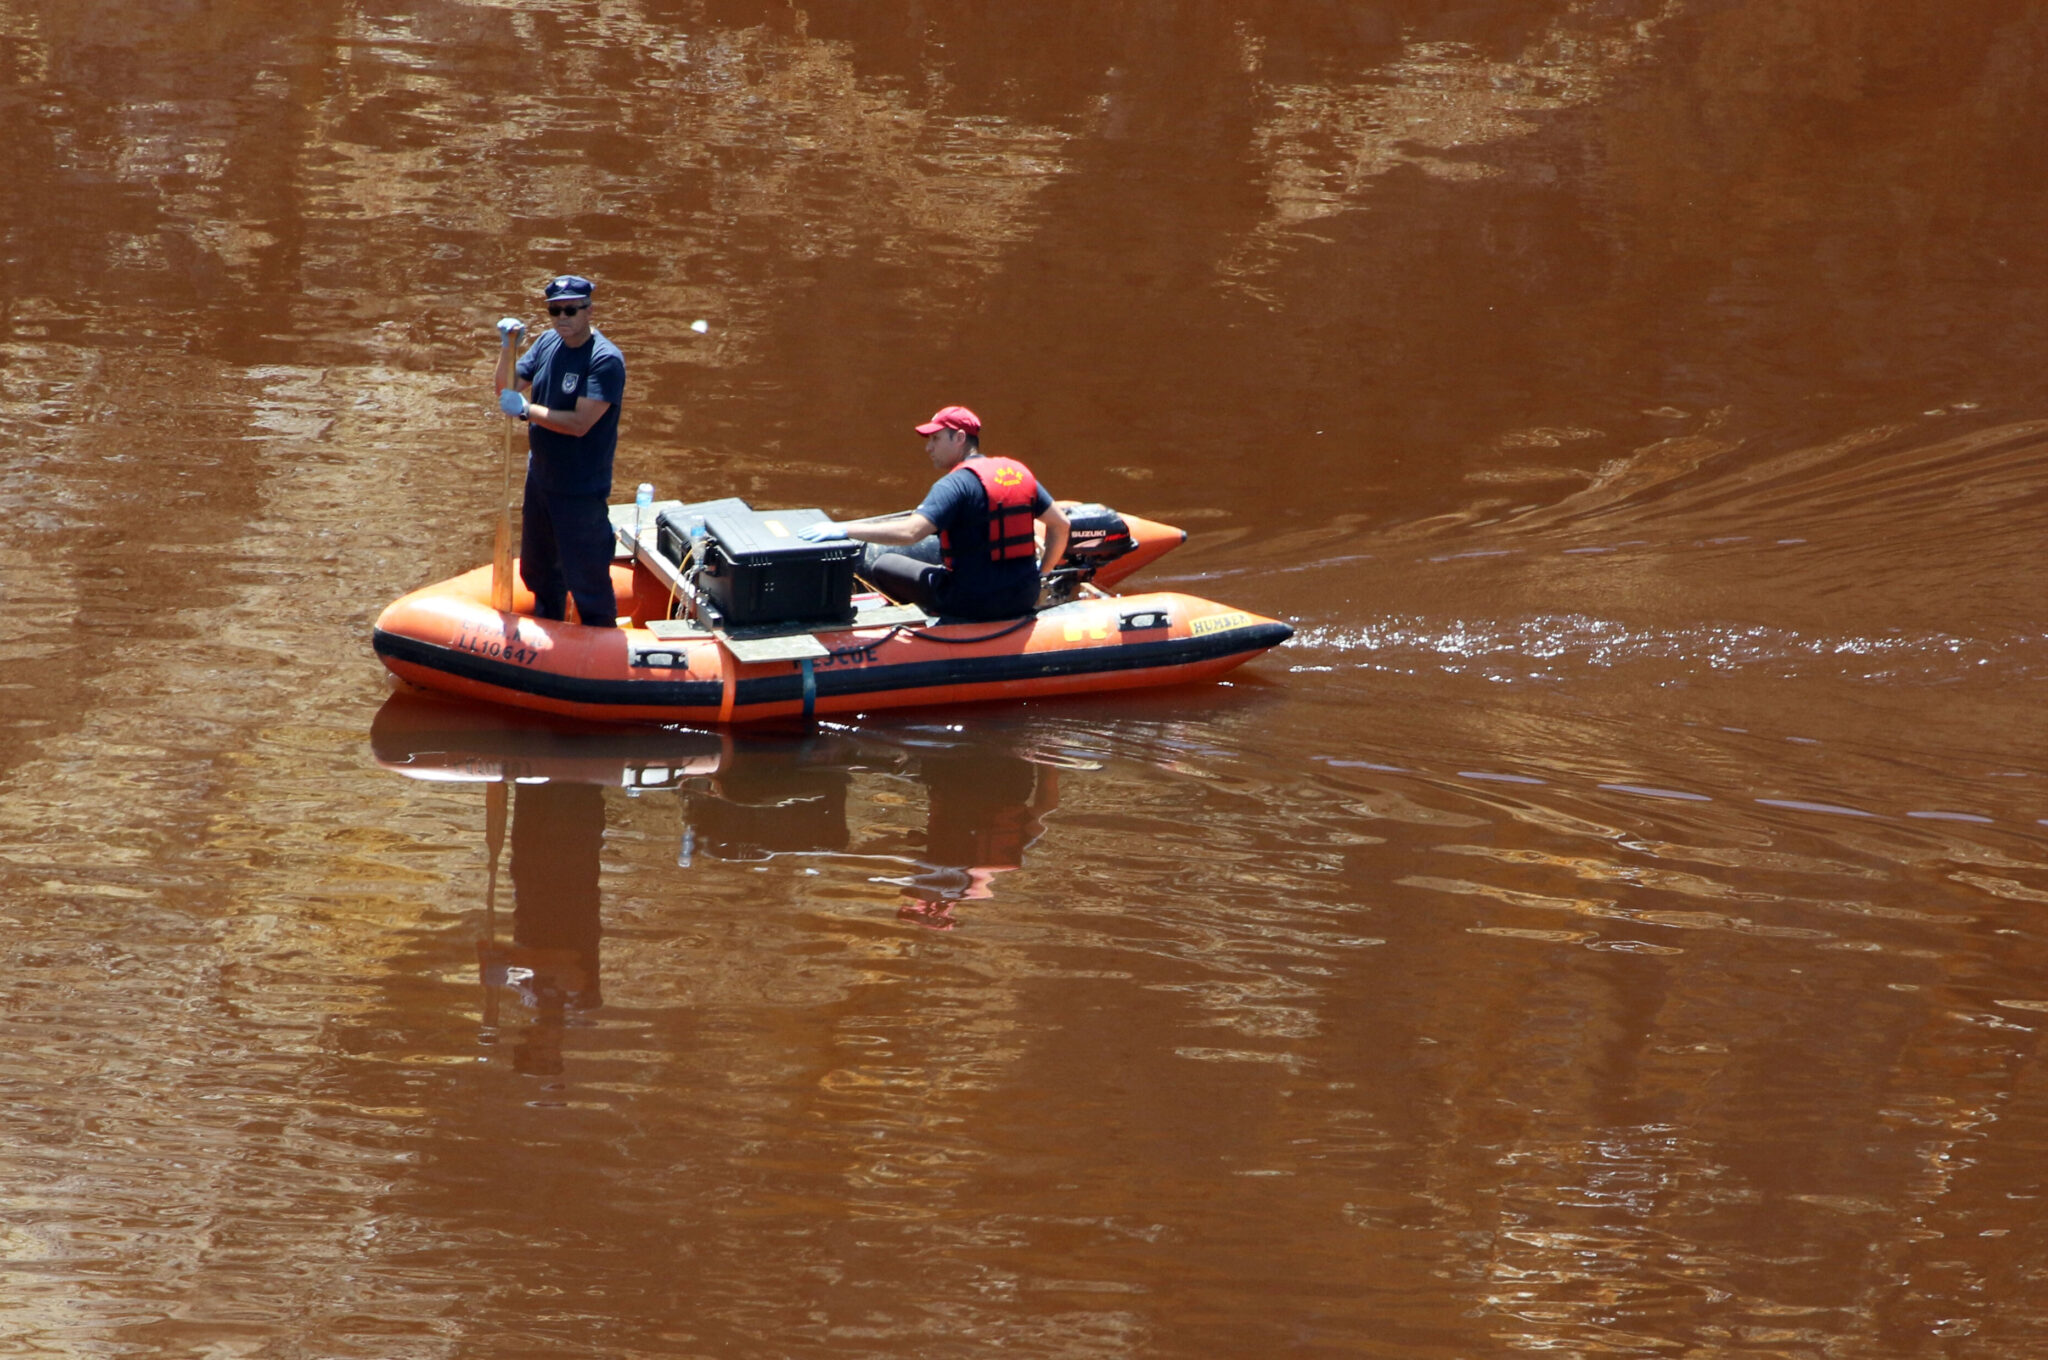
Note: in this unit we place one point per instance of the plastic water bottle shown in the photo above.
(697, 538)
(643, 506)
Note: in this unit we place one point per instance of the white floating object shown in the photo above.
(700, 325)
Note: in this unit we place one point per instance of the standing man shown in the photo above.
(578, 380)
(988, 563)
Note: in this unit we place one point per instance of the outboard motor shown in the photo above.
(1096, 536)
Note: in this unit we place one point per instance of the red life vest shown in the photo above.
(1010, 489)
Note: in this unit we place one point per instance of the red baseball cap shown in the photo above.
(952, 418)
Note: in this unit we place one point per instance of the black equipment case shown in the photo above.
(757, 571)
(672, 526)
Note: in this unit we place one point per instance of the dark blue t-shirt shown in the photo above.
(958, 505)
(567, 464)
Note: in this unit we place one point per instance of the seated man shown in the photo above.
(983, 510)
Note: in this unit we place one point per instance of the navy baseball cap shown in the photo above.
(568, 286)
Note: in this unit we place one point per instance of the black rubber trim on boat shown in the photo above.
(984, 670)
(852, 680)
(547, 684)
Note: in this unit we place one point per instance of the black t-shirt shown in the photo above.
(567, 464)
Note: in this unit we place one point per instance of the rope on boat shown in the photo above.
(1024, 622)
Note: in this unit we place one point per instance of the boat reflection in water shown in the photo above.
(555, 775)
(746, 797)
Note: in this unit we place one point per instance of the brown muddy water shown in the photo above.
(1614, 924)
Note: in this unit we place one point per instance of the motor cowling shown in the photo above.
(1096, 535)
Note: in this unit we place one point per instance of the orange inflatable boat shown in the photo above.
(676, 659)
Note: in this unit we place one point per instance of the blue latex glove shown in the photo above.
(824, 531)
(509, 331)
(511, 403)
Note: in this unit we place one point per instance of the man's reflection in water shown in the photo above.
(985, 810)
(557, 837)
(773, 797)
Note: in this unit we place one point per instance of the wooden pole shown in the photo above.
(501, 547)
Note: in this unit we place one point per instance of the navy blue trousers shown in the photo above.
(915, 575)
(565, 549)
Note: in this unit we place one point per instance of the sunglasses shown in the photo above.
(565, 308)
